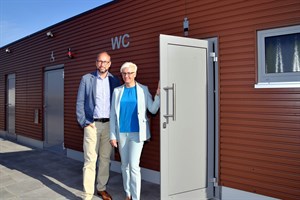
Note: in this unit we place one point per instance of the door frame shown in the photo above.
(213, 99)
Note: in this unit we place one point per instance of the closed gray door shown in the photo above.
(184, 148)
(10, 106)
(54, 109)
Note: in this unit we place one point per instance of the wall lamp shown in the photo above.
(50, 34)
(70, 53)
(7, 50)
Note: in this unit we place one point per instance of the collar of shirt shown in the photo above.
(98, 75)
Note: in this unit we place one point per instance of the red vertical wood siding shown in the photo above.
(259, 129)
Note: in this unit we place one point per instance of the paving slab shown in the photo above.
(33, 174)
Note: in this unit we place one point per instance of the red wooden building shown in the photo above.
(254, 49)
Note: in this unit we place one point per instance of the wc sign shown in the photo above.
(121, 41)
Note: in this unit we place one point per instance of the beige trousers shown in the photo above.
(96, 146)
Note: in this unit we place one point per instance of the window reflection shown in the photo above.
(282, 53)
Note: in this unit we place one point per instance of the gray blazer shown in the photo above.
(144, 102)
(86, 97)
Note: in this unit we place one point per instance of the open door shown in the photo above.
(184, 129)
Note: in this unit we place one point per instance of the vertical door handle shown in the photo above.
(168, 114)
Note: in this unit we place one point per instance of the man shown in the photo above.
(92, 110)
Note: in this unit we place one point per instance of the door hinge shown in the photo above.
(213, 55)
(214, 181)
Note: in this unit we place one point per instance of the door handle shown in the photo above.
(168, 114)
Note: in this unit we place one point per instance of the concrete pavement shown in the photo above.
(33, 174)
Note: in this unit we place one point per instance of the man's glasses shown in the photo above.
(102, 62)
(127, 73)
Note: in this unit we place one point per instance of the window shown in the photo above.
(279, 57)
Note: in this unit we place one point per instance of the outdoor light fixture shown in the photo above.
(70, 53)
(7, 50)
(186, 26)
(50, 34)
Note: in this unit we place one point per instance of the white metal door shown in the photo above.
(183, 79)
(10, 106)
(54, 109)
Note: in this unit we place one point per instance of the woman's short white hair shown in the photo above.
(129, 65)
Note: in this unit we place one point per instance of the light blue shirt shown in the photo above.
(102, 108)
(128, 111)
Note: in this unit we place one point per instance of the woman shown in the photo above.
(129, 126)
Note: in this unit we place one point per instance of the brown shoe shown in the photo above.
(128, 198)
(104, 195)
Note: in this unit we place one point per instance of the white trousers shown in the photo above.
(96, 146)
(130, 150)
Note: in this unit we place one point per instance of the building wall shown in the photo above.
(258, 128)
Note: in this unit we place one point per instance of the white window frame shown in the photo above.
(274, 80)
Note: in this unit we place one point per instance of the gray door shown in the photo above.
(184, 124)
(54, 108)
(10, 105)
